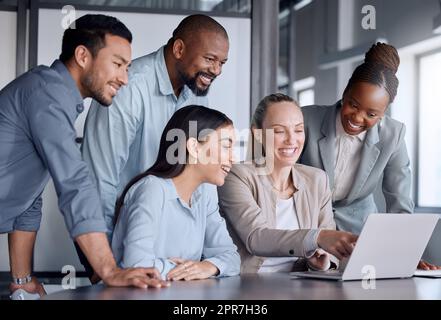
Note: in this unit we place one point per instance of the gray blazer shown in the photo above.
(384, 157)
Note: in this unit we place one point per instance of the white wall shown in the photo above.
(8, 27)
(230, 93)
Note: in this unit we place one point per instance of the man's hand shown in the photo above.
(95, 247)
(191, 270)
(32, 287)
(338, 243)
(136, 277)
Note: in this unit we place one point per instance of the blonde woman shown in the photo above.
(286, 214)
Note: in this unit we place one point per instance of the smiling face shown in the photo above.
(286, 119)
(215, 155)
(202, 61)
(363, 105)
(108, 70)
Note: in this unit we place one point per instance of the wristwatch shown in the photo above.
(20, 281)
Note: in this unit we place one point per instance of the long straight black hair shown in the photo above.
(192, 121)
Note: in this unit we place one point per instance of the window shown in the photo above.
(306, 97)
(429, 132)
(290, 69)
(305, 91)
(283, 77)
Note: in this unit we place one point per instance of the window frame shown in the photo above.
(419, 208)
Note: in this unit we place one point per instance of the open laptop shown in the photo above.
(389, 246)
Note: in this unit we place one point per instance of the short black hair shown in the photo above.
(197, 23)
(90, 31)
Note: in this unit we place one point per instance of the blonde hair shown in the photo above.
(259, 117)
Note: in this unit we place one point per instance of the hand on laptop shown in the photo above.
(338, 243)
(320, 261)
(424, 265)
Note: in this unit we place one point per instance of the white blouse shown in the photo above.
(286, 219)
(347, 159)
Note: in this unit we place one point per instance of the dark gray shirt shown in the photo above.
(37, 140)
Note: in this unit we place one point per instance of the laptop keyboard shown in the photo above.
(330, 272)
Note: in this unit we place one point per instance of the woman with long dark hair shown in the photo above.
(168, 217)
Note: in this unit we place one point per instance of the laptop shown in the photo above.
(389, 246)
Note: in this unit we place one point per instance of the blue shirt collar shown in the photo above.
(61, 69)
(165, 85)
(172, 193)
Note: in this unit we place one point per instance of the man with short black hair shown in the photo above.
(122, 141)
(37, 141)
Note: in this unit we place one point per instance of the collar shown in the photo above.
(328, 127)
(61, 69)
(297, 180)
(172, 193)
(165, 85)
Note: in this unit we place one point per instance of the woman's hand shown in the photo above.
(423, 265)
(338, 243)
(321, 260)
(191, 270)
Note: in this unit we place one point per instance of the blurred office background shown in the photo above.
(306, 48)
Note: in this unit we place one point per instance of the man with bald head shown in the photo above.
(122, 141)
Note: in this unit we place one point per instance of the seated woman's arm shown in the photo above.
(140, 229)
(219, 248)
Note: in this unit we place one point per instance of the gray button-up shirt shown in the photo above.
(37, 140)
(155, 225)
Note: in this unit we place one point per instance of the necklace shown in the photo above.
(289, 186)
(283, 190)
